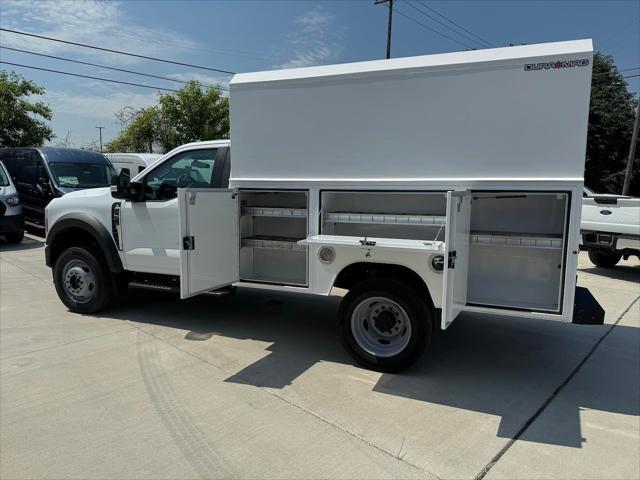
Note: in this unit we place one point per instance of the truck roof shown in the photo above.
(448, 60)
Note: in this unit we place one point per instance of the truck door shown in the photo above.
(209, 242)
(454, 291)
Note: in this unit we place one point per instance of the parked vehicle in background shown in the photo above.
(132, 163)
(11, 218)
(41, 174)
(610, 227)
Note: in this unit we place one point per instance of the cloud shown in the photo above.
(91, 22)
(102, 106)
(203, 78)
(316, 41)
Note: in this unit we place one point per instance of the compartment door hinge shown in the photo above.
(188, 243)
(451, 262)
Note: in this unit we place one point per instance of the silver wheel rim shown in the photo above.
(78, 281)
(380, 326)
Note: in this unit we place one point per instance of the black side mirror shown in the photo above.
(121, 185)
(44, 186)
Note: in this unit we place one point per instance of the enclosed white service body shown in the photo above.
(507, 126)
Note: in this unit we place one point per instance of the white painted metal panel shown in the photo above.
(454, 291)
(470, 115)
(210, 218)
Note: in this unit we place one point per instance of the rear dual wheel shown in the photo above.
(384, 324)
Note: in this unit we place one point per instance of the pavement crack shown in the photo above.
(305, 410)
(483, 473)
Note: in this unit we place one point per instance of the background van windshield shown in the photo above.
(4, 180)
(81, 175)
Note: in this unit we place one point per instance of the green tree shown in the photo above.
(611, 115)
(21, 119)
(141, 130)
(192, 113)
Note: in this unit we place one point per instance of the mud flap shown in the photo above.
(586, 309)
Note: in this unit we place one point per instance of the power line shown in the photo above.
(432, 29)
(117, 51)
(87, 76)
(454, 23)
(412, 5)
(105, 66)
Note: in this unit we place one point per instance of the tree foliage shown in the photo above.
(192, 113)
(141, 130)
(21, 119)
(611, 116)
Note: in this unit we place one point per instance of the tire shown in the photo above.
(83, 281)
(405, 324)
(15, 237)
(604, 259)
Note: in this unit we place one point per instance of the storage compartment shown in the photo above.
(401, 215)
(517, 250)
(271, 224)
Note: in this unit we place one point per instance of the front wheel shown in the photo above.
(604, 259)
(384, 324)
(82, 281)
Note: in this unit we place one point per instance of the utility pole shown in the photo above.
(390, 18)
(632, 152)
(100, 128)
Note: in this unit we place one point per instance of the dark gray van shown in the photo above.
(43, 173)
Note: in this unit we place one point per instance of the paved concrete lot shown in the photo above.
(256, 385)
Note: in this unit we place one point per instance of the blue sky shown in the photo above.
(245, 36)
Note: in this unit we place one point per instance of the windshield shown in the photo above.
(4, 180)
(82, 175)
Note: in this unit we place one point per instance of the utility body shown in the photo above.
(424, 186)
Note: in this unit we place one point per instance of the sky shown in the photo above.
(243, 36)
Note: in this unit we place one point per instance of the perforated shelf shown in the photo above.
(514, 240)
(273, 243)
(384, 219)
(275, 212)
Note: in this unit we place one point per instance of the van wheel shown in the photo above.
(384, 324)
(82, 281)
(604, 259)
(15, 237)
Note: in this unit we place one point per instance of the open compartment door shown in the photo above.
(454, 291)
(209, 249)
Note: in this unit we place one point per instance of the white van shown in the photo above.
(132, 163)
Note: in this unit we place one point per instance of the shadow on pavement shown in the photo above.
(497, 366)
(629, 273)
(26, 244)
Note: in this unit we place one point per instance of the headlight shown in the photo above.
(13, 201)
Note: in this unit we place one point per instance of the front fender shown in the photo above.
(91, 226)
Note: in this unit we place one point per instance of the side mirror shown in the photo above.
(43, 186)
(121, 185)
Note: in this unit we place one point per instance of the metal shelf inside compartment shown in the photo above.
(275, 212)
(385, 219)
(552, 242)
(275, 243)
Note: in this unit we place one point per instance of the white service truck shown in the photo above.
(424, 186)
(610, 228)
